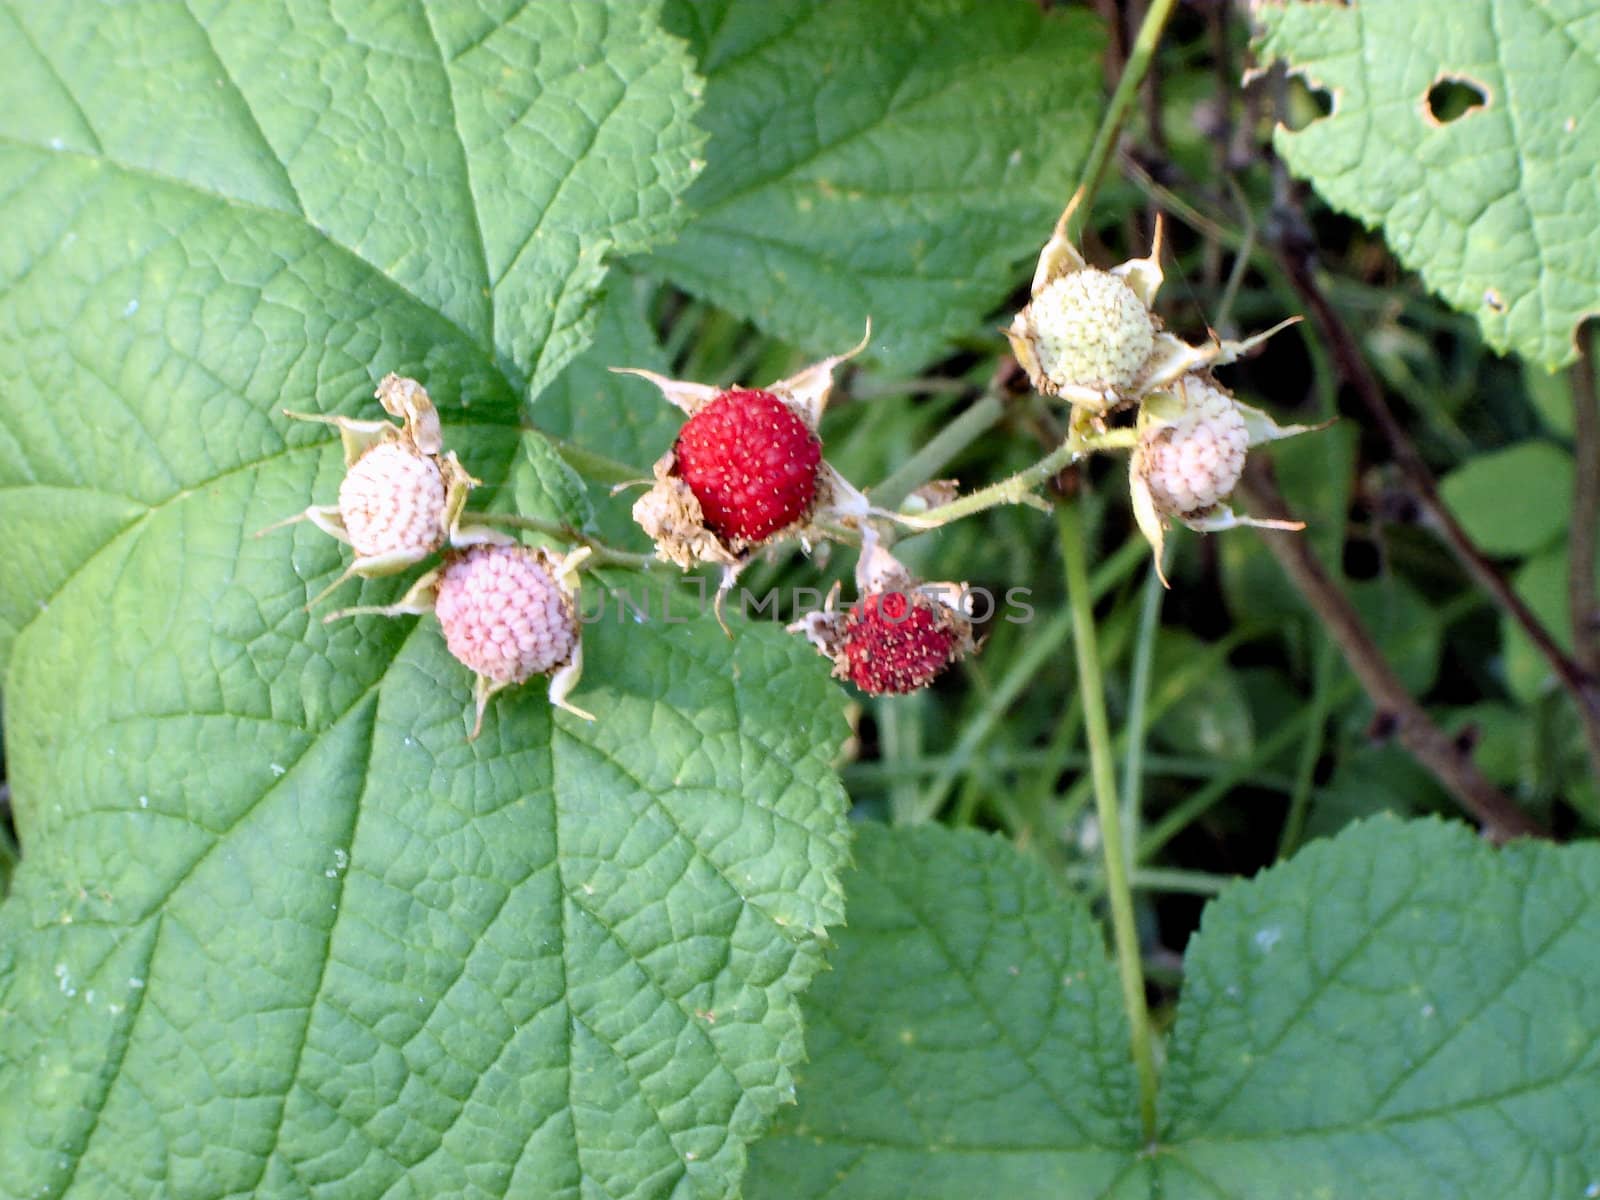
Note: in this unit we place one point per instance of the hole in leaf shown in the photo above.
(1306, 102)
(1450, 99)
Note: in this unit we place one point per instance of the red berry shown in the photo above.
(893, 644)
(751, 462)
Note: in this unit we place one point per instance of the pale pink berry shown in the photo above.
(503, 614)
(392, 502)
(1195, 462)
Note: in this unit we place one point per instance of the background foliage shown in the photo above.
(274, 928)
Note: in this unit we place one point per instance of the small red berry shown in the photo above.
(895, 644)
(752, 464)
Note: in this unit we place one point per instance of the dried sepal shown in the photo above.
(1171, 358)
(807, 391)
(1261, 428)
(672, 518)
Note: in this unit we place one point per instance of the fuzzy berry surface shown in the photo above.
(392, 502)
(1091, 330)
(893, 644)
(1195, 463)
(503, 615)
(751, 462)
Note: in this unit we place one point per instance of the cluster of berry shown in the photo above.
(746, 471)
(507, 611)
(1092, 338)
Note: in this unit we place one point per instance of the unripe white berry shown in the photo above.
(1090, 330)
(392, 502)
(504, 615)
(1195, 462)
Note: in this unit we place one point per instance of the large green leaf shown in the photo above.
(1496, 206)
(886, 158)
(969, 1041)
(279, 929)
(248, 205)
(1401, 1011)
(601, 412)
(598, 412)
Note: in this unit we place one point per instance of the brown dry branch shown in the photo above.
(1294, 252)
(1585, 510)
(1448, 759)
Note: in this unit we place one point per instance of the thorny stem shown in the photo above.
(1583, 688)
(1449, 761)
(604, 555)
(1105, 138)
(1119, 893)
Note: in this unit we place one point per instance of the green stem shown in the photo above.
(1021, 487)
(871, 387)
(950, 441)
(1177, 766)
(603, 555)
(900, 734)
(1200, 802)
(978, 732)
(1155, 879)
(1241, 260)
(1294, 825)
(597, 467)
(1118, 891)
(1138, 707)
(1280, 742)
(1042, 646)
(1174, 687)
(1105, 138)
